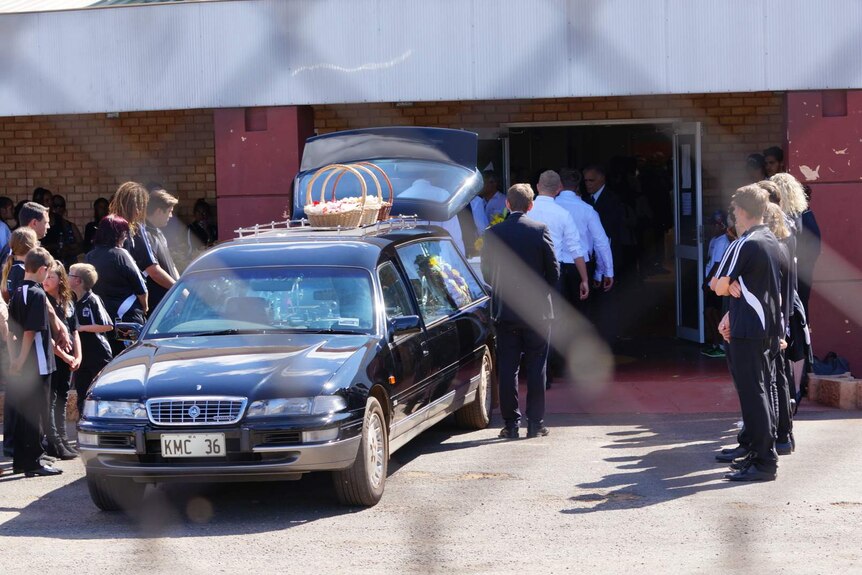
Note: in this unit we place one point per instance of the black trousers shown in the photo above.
(28, 394)
(82, 380)
(784, 415)
(750, 367)
(57, 398)
(513, 341)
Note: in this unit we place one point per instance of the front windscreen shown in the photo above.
(267, 300)
(434, 191)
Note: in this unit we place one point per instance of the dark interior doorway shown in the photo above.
(639, 158)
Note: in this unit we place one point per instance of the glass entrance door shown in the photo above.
(688, 232)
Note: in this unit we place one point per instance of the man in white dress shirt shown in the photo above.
(487, 204)
(594, 240)
(567, 244)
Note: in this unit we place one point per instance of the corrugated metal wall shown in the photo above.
(284, 52)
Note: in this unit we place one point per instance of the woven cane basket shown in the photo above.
(349, 216)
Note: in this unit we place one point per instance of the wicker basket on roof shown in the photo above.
(385, 205)
(371, 205)
(334, 213)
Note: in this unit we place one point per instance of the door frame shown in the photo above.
(687, 252)
(675, 124)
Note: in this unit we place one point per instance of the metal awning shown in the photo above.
(19, 6)
(244, 53)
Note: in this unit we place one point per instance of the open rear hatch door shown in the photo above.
(432, 170)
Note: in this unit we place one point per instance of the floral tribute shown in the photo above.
(480, 242)
(333, 207)
(446, 277)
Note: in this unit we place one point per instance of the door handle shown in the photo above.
(424, 347)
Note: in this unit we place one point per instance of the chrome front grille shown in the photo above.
(212, 410)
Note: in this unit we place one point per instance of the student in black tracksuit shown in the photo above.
(753, 328)
(32, 364)
(93, 323)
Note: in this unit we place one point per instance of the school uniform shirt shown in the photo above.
(15, 277)
(28, 311)
(138, 245)
(753, 261)
(120, 281)
(159, 246)
(95, 349)
(593, 238)
(66, 315)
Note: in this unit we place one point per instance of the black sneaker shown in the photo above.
(751, 473)
(743, 462)
(537, 430)
(509, 433)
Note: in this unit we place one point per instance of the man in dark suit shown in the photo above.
(518, 262)
(604, 308)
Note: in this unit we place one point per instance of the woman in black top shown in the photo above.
(56, 286)
(121, 285)
(100, 210)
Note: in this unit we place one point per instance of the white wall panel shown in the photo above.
(716, 43)
(284, 52)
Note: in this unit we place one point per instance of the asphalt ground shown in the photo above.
(601, 494)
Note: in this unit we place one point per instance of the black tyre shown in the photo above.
(477, 414)
(115, 494)
(362, 483)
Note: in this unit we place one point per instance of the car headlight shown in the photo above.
(296, 406)
(115, 409)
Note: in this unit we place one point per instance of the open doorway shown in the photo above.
(654, 168)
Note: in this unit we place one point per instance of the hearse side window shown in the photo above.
(440, 287)
(395, 296)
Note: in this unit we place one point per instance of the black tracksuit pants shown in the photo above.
(750, 367)
(29, 395)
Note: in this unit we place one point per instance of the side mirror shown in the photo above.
(404, 324)
(127, 331)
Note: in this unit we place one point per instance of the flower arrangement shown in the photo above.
(332, 207)
(499, 217)
(446, 277)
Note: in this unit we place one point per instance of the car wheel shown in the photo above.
(477, 414)
(115, 494)
(362, 483)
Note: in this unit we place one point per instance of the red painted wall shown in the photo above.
(824, 134)
(257, 151)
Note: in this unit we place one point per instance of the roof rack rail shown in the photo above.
(301, 226)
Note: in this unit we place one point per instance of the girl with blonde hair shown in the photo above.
(793, 200)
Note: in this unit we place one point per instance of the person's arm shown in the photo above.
(160, 276)
(23, 351)
(95, 328)
(61, 334)
(602, 250)
(550, 266)
(142, 299)
(477, 208)
(584, 290)
(4, 321)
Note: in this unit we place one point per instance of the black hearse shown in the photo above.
(294, 349)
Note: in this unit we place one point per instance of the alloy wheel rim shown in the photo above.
(485, 383)
(376, 458)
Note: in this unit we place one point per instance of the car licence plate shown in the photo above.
(193, 445)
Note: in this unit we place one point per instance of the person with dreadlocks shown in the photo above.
(130, 202)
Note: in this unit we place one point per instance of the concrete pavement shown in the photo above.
(601, 494)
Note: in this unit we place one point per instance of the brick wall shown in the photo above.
(734, 125)
(83, 157)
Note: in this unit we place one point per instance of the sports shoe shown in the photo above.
(508, 433)
(713, 351)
